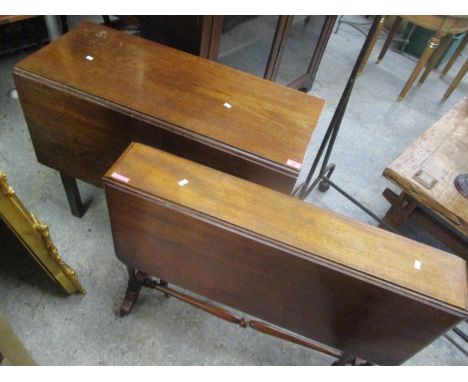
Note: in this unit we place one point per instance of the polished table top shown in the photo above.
(222, 104)
(284, 221)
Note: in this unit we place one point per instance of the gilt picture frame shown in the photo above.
(35, 237)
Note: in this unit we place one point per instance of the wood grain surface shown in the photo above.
(340, 283)
(266, 119)
(288, 221)
(441, 152)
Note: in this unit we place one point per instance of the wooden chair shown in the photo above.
(443, 26)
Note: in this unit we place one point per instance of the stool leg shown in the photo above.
(73, 195)
(371, 45)
(391, 34)
(445, 42)
(455, 55)
(456, 81)
(431, 45)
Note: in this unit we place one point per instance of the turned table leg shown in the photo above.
(132, 292)
(371, 45)
(445, 42)
(432, 44)
(391, 34)
(455, 56)
(73, 195)
(456, 81)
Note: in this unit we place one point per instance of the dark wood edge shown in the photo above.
(278, 44)
(174, 129)
(431, 301)
(216, 30)
(205, 36)
(420, 214)
(210, 36)
(322, 43)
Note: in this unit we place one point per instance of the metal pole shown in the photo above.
(332, 131)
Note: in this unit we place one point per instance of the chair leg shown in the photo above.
(432, 44)
(371, 45)
(391, 34)
(456, 81)
(455, 55)
(445, 42)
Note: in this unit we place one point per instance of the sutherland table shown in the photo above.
(316, 278)
(90, 93)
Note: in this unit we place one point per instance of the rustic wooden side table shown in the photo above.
(425, 172)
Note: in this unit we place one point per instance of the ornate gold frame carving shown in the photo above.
(35, 237)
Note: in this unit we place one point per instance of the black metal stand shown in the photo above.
(326, 147)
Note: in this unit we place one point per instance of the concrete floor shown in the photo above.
(85, 330)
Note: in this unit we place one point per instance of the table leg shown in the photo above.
(131, 294)
(432, 44)
(283, 27)
(456, 81)
(391, 34)
(435, 58)
(319, 50)
(455, 56)
(73, 195)
(371, 45)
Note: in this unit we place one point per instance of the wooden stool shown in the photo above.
(443, 26)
